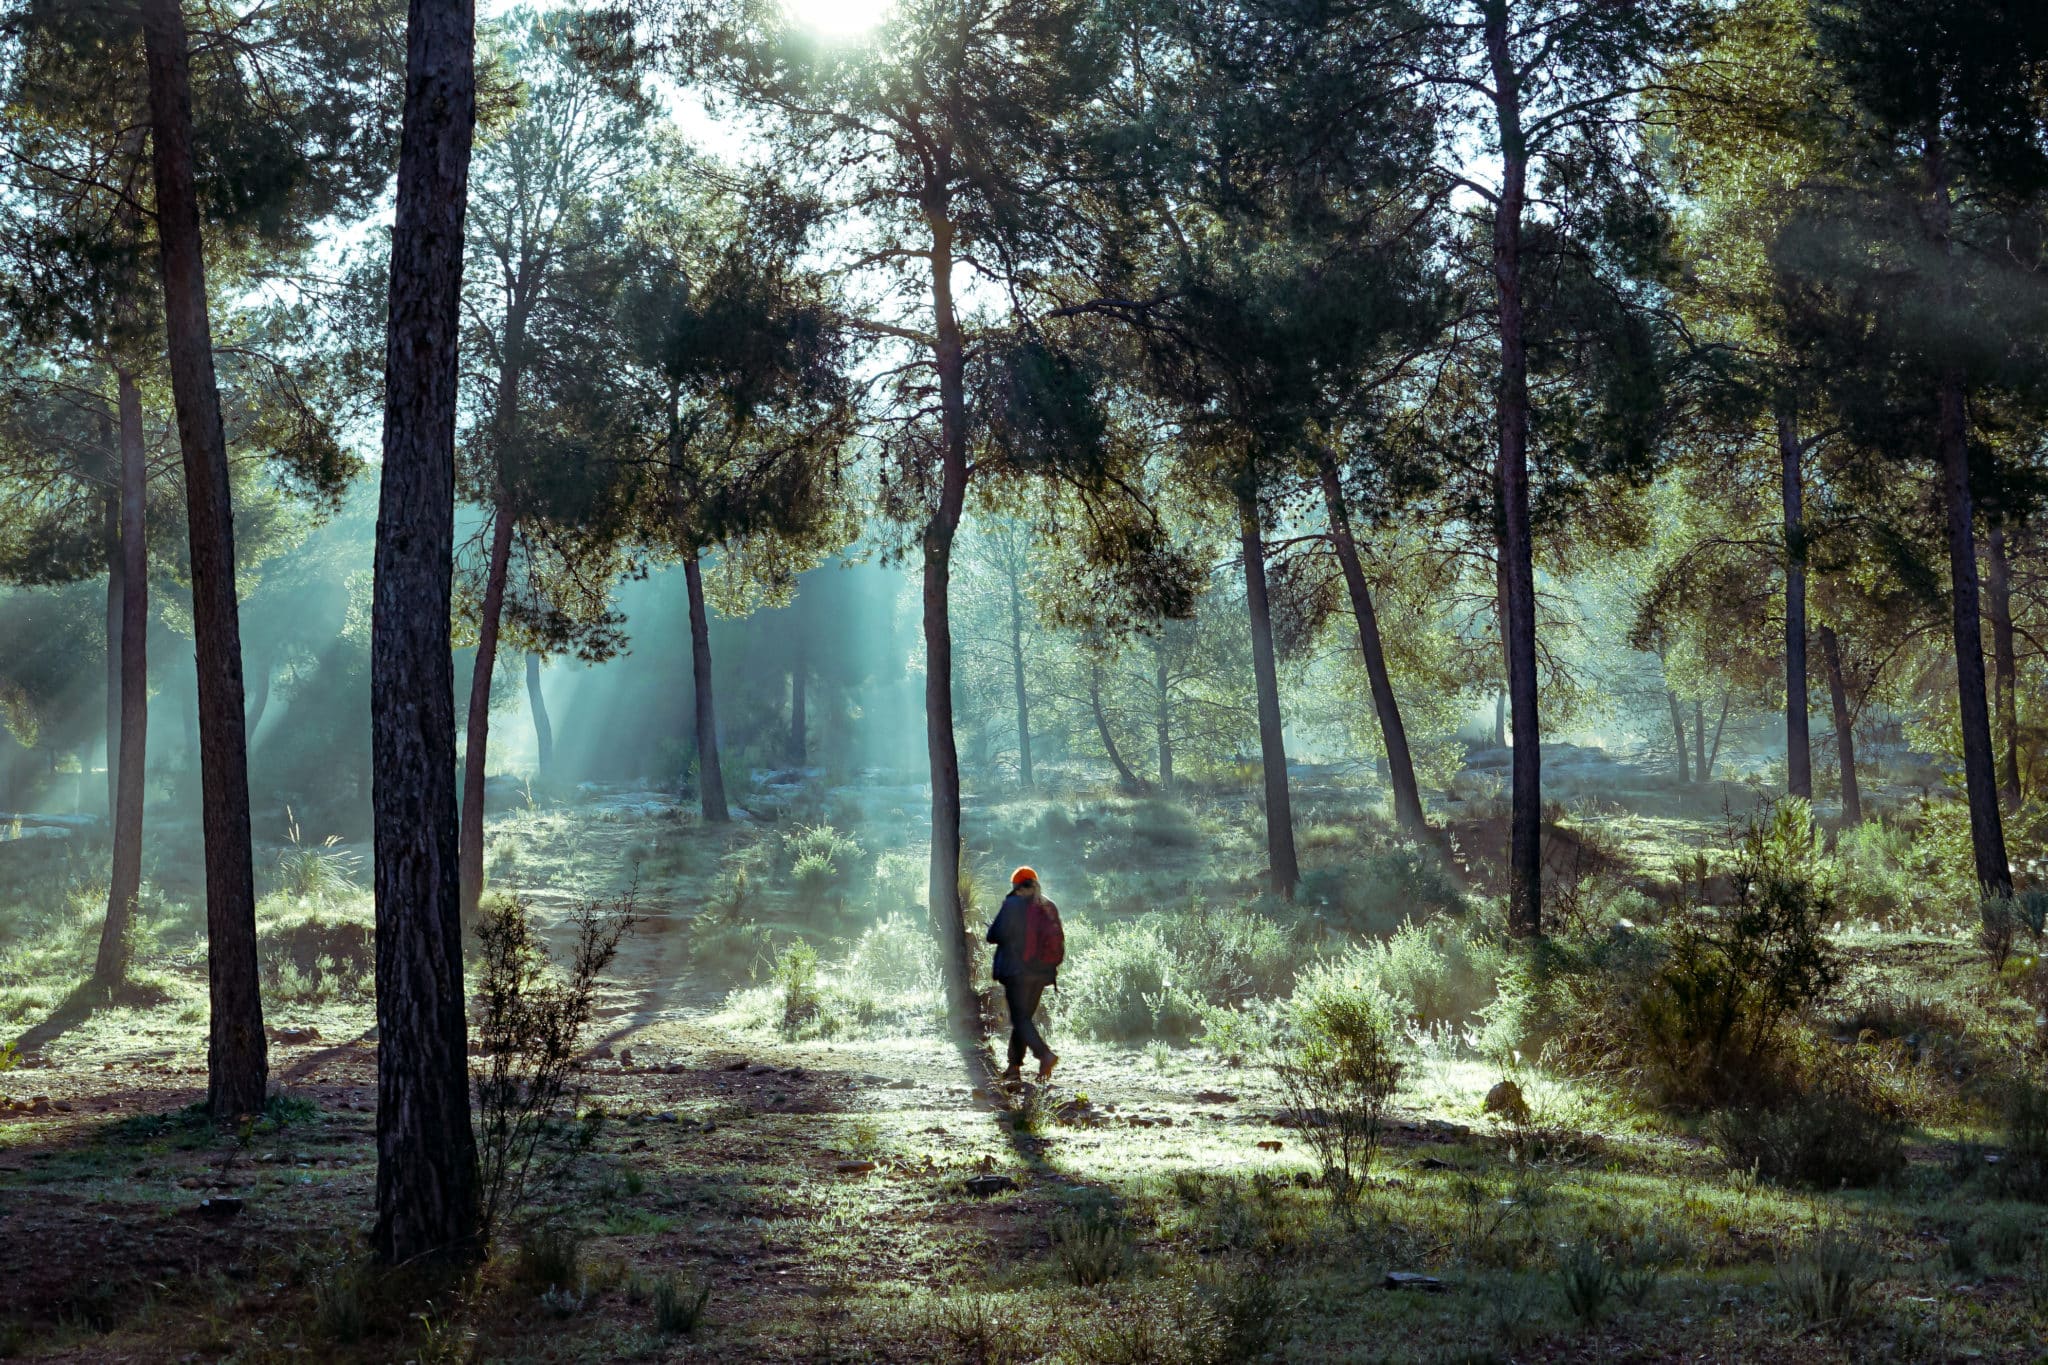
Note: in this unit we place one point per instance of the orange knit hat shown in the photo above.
(1023, 874)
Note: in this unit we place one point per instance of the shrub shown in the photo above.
(1093, 1247)
(1825, 1281)
(527, 1028)
(2024, 1170)
(1872, 876)
(1997, 922)
(895, 954)
(316, 872)
(317, 954)
(1436, 972)
(547, 1258)
(1382, 890)
(1711, 1028)
(796, 973)
(679, 1304)
(1840, 1130)
(1124, 988)
(1587, 1281)
(1336, 1064)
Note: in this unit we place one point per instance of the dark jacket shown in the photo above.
(1007, 933)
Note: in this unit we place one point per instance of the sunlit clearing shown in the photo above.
(837, 18)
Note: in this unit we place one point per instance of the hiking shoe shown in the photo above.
(1015, 1075)
(1051, 1060)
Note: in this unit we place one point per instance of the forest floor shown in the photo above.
(830, 1196)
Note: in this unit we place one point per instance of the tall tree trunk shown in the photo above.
(1517, 559)
(1393, 732)
(1284, 871)
(1678, 734)
(1798, 741)
(799, 704)
(2004, 666)
(237, 1056)
(1500, 720)
(949, 919)
(1714, 754)
(543, 729)
(427, 1192)
(110, 536)
(1162, 714)
(126, 752)
(1127, 779)
(1699, 739)
(710, 772)
(477, 741)
(1845, 729)
(1023, 696)
(1987, 829)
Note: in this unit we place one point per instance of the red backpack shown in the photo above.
(1045, 942)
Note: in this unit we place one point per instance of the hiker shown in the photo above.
(1030, 944)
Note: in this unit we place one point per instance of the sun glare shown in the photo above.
(837, 18)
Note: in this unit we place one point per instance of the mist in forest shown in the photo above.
(1193, 683)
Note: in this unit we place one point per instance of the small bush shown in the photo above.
(796, 973)
(1093, 1248)
(1711, 1028)
(979, 1331)
(679, 1304)
(2024, 1169)
(548, 1258)
(1841, 1130)
(340, 1311)
(1437, 972)
(1336, 1064)
(1997, 922)
(1124, 987)
(1382, 890)
(527, 1026)
(1826, 1281)
(1587, 1281)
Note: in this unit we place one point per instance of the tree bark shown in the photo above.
(1845, 729)
(1393, 732)
(799, 704)
(1714, 754)
(2004, 666)
(1023, 696)
(1798, 740)
(237, 1055)
(1284, 870)
(1987, 829)
(126, 751)
(1162, 714)
(710, 773)
(1678, 734)
(543, 729)
(1500, 720)
(477, 740)
(949, 919)
(1126, 778)
(110, 536)
(427, 1192)
(1699, 739)
(1517, 561)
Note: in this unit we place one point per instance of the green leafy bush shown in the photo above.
(1335, 1062)
(1436, 972)
(1382, 890)
(1711, 1027)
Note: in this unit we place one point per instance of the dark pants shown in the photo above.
(1021, 994)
